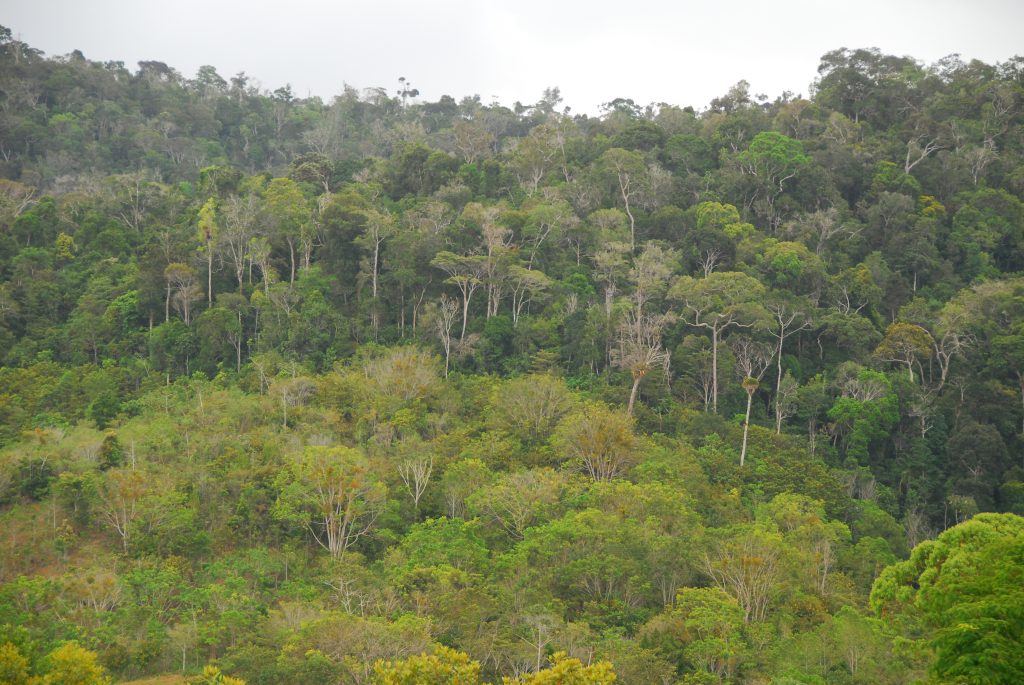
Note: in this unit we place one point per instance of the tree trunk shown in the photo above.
(633, 392)
(714, 369)
(778, 385)
(291, 253)
(746, 427)
(465, 314)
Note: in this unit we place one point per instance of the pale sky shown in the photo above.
(682, 52)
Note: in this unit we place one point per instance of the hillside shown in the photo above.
(298, 392)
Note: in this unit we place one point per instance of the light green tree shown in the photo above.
(332, 492)
(965, 591)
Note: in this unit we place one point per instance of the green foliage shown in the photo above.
(444, 667)
(867, 413)
(568, 671)
(74, 665)
(13, 666)
(222, 319)
(963, 591)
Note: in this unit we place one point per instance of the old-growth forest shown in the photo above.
(384, 390)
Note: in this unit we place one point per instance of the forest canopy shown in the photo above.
(383, 390)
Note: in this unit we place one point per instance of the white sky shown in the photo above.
(684, 52)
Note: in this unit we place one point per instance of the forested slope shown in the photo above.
(303, 390)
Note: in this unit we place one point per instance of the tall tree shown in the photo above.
(717, 303)
(208, 234)
(288, 213)
(752, 360)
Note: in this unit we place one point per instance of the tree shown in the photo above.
(333, 494)
(771, 159)
(70, 664)
(208, 234)
(13, 666)
(292, 391)
(471, 140)
(406, 373)
(610, 262)
(639, 348)
(788, 321)
(903, 344)
(258, 253)
(77, 493)
(181, 280)
(535, 156)
(747, 564)
(703, 630)
(289, 213)
(651, 274)
(240, 225)
(444, 667)
(464, 272)
(379, 227)
(568, 671)
(864, 412)
(415, 467)
(818, 228)
(529, 406)
(965, 590)
(516, 500)
(212, 675)
(120, 495)
(718, 302)
(600, 440)
(627, 171)
(442, 318)
(526, 284)
(752, 360)
(547, 219)
(460, 481)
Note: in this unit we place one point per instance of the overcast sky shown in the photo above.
(683, 52)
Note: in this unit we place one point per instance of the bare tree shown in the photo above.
(747, 567)
(709, 260)
(918, 149)
(639, 349)
(752, 361)
(415, 471)
(182, 289)
(443, 318)
(610, 261)
(119, 500)
(293, 392)
(787, 322)
(379, 227)
(526, 284)
(821, 226)
(240, 216)
(950, 339)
